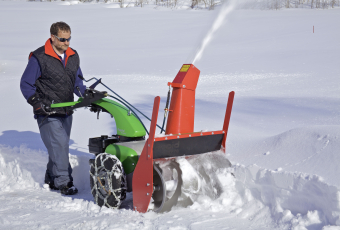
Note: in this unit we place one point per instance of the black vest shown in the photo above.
(56, 83)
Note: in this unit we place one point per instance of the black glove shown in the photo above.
(39, 107)
(34, 99)
(91, 92)
(88, 93)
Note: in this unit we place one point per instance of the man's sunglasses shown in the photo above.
(63, 39)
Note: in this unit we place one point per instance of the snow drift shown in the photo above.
(288, 200)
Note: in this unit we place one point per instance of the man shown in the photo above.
(52, 76)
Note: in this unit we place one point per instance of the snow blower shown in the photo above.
(166, 169)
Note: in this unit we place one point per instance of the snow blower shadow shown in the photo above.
(266, 116)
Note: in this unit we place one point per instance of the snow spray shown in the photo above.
(227, 7)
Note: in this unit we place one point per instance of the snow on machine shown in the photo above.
(164, 170)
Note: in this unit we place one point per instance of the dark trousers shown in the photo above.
(55, 132)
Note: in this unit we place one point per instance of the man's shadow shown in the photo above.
(29, 147)
(29, 150)
(31, 140)
(14, 138)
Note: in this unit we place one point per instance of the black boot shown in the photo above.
(51, 185)
(68, 189)
(49, 181)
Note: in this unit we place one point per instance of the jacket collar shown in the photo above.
(50, 51)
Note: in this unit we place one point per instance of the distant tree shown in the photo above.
(194, 3)
(276, 4)
(139, 3)
(325, 4)
(333, 2)
(317, 3)
(211, 4)
(121, 3)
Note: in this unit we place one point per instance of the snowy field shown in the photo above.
(284, 135)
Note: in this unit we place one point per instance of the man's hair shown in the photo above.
(59, 26)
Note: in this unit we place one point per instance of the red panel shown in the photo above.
(182, 112)
(227, 117)
(142, 181)
(189, 78)
(179, 78)
(182, 107)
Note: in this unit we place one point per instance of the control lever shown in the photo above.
(79, 91)
(98, 113)
(96, 83)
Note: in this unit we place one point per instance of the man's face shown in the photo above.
(61, 47)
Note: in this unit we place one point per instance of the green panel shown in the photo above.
(65, 104)
(127, 125)
(127, 156)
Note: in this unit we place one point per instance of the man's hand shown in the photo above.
(90, 96)
(40, 109)
(90, 92)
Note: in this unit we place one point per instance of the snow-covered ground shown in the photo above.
(283, 138)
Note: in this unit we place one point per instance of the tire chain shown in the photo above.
(115, 169)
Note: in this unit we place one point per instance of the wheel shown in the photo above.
(107, 180)
(167, 182)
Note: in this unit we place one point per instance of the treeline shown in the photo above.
(318, 4)
(240, 4)
(194, 4)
